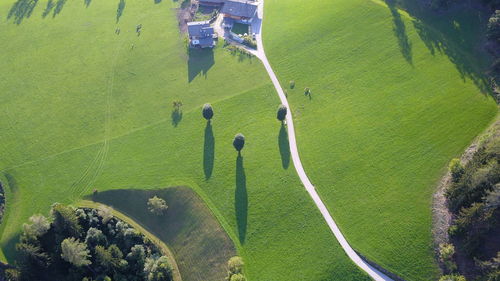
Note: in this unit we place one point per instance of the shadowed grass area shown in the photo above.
(394, 99)
(200, 245)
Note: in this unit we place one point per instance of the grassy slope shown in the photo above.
(199, 243)
(86, 108)
(384, 118)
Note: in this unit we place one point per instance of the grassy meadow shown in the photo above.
(87, 104)
(394, 98)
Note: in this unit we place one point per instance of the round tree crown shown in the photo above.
(239, 142)
(208, 111)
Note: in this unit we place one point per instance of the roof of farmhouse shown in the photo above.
(213, 1)
(200, 29)
(240, 8)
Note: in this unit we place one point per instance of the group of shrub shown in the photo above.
(235, 269)
(86, 244)
(474, 199)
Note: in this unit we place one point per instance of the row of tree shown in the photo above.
(239, 139)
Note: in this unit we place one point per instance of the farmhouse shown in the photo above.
(240, 10)
(201, 34)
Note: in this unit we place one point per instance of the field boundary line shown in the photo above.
(353, 255)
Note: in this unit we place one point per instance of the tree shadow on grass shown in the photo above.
(87, 3)
(284, 145)
(199, 62)
(48, 8)
(11, 182)
(176, 116)
(241, 199)
(58, 8)
(400, 32)
(21, 10)
(208, 151)
(9, 248)
(119, 10)
(457, 33)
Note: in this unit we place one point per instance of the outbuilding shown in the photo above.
(239, 10)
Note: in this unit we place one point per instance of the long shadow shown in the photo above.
(208, 151)
(9, 248)
(48, 8)
(284, 145)
(21, 10)
(400, 32)
(241, 199)
(199, 62)
(119, 10)
(176, 116)
(87, 3)
(456, 33)
(59, 7)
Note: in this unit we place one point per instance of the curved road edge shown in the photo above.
(370, 270)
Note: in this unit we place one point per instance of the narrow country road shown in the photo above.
(373, 272)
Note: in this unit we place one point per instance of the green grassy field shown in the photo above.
(393, 100)
(200, 245)
(85, 106)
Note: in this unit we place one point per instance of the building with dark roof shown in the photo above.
(201, 34)
(212, 2)
(241, 10)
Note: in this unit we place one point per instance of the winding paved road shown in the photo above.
(370, 270)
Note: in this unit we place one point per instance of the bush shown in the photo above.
(208, 111)
(65, 221)
(248, 40)
(307, 91)
(282, 111)
(157, 206)
(238, 277)
(456, 169)
(493, 32)
(235, 266)
(452, 278)
(158, 269)
(106, 213)
(239, 142)
(292, 84)
(38, 227)
(446, 252)
(95, 237)
(470, 226)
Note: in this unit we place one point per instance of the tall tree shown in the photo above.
(75, 252)
(65, 221)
